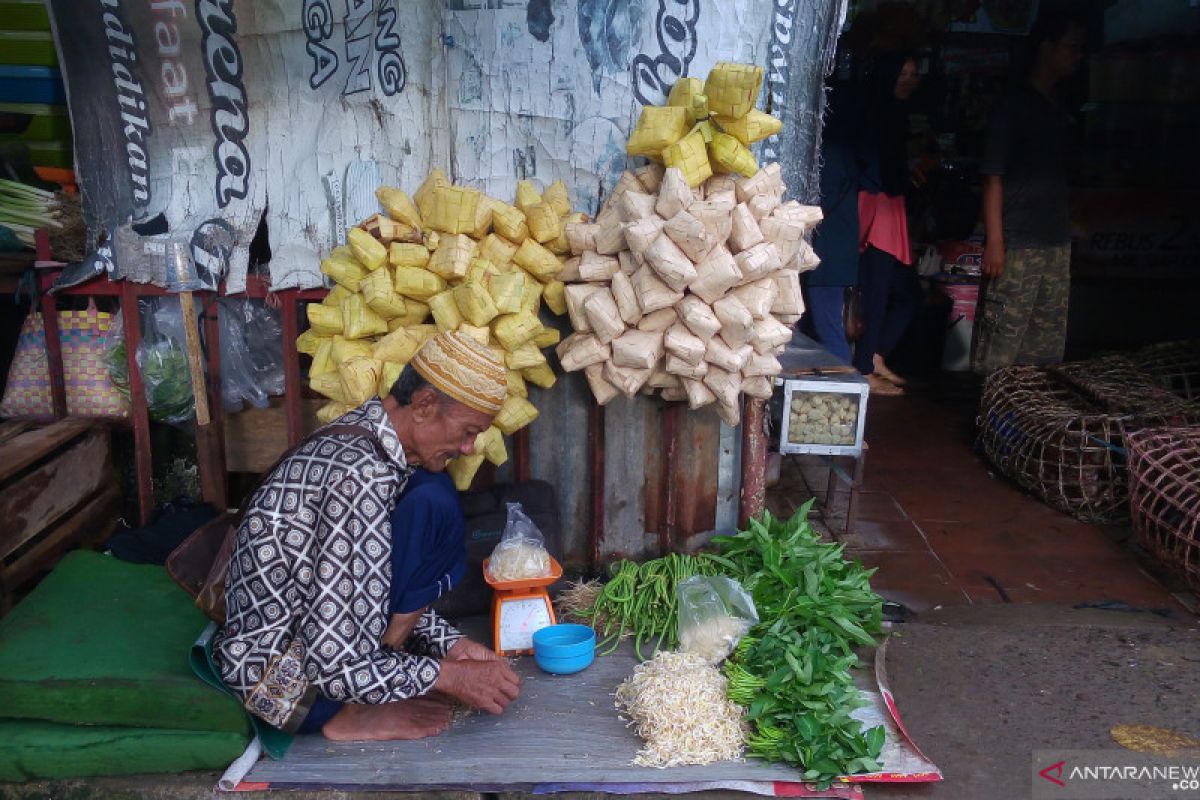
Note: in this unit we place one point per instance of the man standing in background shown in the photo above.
(1027, 251)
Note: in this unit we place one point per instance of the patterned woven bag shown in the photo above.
(90, 391)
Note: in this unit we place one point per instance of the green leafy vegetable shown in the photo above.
(792, 671)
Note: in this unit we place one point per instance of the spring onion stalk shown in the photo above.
(24, 209)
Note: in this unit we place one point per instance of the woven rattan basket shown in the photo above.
(1059, 432)
(1164, 496)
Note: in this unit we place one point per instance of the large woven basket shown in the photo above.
(1060, 432)
(1164, 496)
(1174, 365)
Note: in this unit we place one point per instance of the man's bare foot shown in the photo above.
(884, 371)
(418, 718)
(882, 386)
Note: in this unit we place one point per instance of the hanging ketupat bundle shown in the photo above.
(706, 128)
(454, 257)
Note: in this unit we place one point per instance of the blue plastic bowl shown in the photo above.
(564, 649)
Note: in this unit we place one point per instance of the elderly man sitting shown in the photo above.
(328, 625)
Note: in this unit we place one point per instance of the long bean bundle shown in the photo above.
(640, 601)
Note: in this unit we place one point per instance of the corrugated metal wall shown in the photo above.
(671, 478)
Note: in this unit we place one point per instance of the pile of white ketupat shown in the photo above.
(687, 292)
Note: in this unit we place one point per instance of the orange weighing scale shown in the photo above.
(520, 609)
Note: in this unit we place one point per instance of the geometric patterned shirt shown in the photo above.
(307, 594)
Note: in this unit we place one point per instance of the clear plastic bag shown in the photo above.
(714, 614)
(162, 360)
(251, 353)
(521, 552)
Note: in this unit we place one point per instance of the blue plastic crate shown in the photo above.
(31, 85)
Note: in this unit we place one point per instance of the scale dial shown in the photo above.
(519, 619)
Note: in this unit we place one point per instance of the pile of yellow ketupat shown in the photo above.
(474, 264)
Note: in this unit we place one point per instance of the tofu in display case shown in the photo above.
(823, 416)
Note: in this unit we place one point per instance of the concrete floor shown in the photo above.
(1007, 649)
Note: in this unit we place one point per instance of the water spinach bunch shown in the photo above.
(792, 671)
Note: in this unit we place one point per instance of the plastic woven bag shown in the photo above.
(521, 552)
(714, 614)
(90, 391)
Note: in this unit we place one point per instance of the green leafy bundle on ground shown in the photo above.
(792, 671)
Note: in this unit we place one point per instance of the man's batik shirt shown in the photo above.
(307, 594)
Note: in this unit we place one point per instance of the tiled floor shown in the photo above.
(942, 529)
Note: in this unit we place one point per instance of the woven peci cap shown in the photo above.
(464, 370)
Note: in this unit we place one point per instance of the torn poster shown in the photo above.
(195, 120)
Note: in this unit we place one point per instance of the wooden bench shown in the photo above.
(58, 489)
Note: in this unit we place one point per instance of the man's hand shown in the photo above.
(486, 685)
(993, 259)
(470, 650)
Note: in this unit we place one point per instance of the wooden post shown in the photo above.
(137, 394)
(754, 460)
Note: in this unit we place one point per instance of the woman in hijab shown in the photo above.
(890, 292)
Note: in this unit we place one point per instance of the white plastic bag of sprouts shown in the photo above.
(714, 614)
(521, 552)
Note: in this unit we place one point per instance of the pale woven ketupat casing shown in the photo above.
(516, 413)
(688, 93)
(698, 316)
(732, 89)
(407, 254)
(652, 293)
(602, 390)
(683, 344)
(537, 260)
(730, 155)
(446, 315)
(674, 194)
(462, 470)
(323, 319)
(369, 251)
(331, 411)
(344, 348)
(417, 283)
(423, 197)
(737, 325)
(628, 381)
(580, 350)
(637, 349)
(526, 356)
(506, 289)
(344, 270)
(509, 221)
(358, 320)
(514, 330)
(380, 293)
(475, 303)
(750, 128)
(658, 127)
(543, 222)
(690, 156)
(415, 312)
(360, 378)
(399, 206)
(491, 444)
(497, 251)
(658, 320)
(453, 257)
(698, 395)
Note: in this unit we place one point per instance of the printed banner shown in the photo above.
(196, 119)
